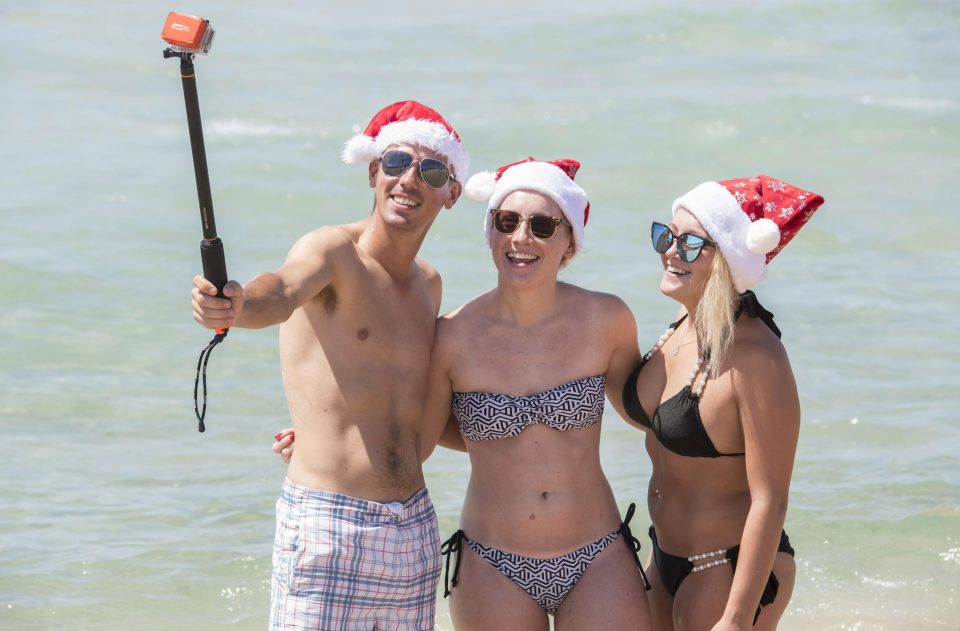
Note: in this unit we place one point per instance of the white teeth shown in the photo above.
(404, 201)
(677, 271)
(520, 256)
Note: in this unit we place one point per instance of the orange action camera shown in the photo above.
(187, 33)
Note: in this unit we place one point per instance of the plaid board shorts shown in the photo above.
(344, 563)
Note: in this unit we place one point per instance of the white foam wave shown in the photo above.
(951, 555)
(915, 584)
(721, 130)
(879, 582)
(908, 103)
(234, 127)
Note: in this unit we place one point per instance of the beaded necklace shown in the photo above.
(702, 367)
(710, 558)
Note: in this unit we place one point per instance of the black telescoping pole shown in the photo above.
(211, 247)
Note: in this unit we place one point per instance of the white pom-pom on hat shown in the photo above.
(360, 149)
(763, 236)
(480, 186)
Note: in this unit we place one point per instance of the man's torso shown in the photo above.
(354, 361)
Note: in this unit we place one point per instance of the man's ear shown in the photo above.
(372, 172)
(455, 190)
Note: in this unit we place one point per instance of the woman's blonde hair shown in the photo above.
(715, 315)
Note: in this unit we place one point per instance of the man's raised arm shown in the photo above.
(270, 298)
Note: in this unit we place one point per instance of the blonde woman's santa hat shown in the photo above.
(553, 178)
(408, 122)
(751, 219)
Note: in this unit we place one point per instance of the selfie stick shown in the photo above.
(187, 36)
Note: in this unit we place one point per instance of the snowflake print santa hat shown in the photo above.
(751, 219)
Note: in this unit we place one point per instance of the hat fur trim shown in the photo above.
(722, 217)
(547, 179)
(363, 149)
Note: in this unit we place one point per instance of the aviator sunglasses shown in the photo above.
(689, 246)
(508, 221)
(433, 172)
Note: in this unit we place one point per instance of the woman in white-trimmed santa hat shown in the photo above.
(524, 368)
(718, 401)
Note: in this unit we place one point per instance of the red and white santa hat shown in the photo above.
(552, 178)
(751, 219)
(408, 122)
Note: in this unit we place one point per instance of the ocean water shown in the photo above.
(117, 514)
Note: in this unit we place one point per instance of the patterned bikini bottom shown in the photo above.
(548, 581)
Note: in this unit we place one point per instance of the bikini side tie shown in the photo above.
(633, 543)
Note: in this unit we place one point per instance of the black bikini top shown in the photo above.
(676, 422)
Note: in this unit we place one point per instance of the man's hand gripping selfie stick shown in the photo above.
(187, 36)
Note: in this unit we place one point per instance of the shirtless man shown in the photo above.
(357, 543)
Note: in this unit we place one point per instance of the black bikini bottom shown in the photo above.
(674, 569)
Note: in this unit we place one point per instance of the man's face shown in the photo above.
(405, 201)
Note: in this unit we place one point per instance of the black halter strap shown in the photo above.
(752, 307)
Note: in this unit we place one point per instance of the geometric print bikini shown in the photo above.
(576, 404)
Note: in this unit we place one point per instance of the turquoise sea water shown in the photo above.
(116, 514)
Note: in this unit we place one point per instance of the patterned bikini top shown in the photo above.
(576, 404)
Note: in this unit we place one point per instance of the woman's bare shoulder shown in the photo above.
(760, 357)
(606, 304)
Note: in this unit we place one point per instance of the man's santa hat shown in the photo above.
(408, 122)
(751, 219)
(552, 178)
